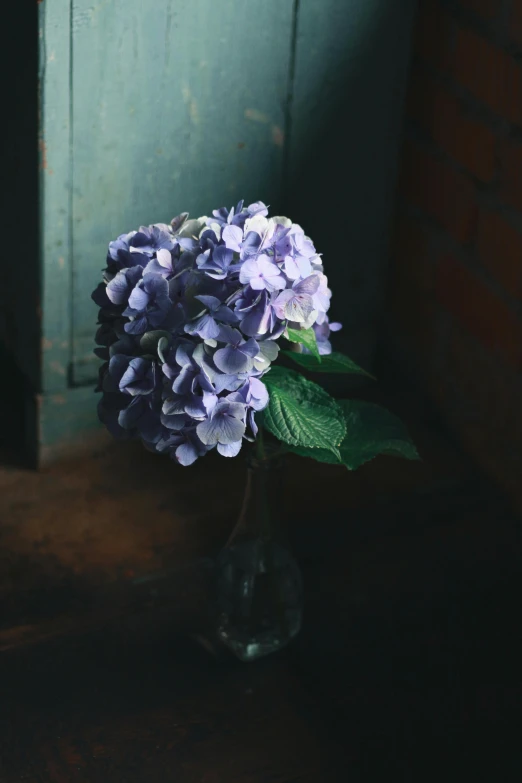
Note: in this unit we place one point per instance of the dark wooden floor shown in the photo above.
(123, 705)
(407, 668)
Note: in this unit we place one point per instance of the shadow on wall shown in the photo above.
(20, 283)
(347, 110)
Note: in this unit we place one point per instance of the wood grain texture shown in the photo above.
(140, 705)
(176, 105)
(351, 63)
(55, 183)
(68, 422)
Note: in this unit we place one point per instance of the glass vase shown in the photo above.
(258, 583)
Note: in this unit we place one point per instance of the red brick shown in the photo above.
(493, 390)
(490, 74)
(439, 190)
(499, 248)
(479, 310)
(487, 9)
(410, 255)
(433, 37)
(467, 141)
(511, 173)
(488, 413)
(515, 24)
(469, 371)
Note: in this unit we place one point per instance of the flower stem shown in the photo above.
(260, 445)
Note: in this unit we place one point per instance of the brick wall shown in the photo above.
(454, 308)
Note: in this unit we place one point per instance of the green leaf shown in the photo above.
(308, 391)
(333, 363)
(305, 337)
(301, 413)
(370, 431)
(149, 341)
(163, 344)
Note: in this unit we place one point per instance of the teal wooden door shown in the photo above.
(176, 105)
(152, 107)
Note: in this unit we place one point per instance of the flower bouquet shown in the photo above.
(194, 319)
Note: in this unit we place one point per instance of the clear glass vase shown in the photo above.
(258, 583)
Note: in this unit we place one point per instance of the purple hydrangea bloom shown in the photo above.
(251, 246)
(164, 263)
(216, 262)
(182, 369)
(173, 415)
(190, 315)
(322, 335)
(258, 316)
(109, 408)
(206, 325)
(238, 355)
(254, 394)
(120, 287)
(185, 447)
(234, 216)
(137, 247)
(261, 273)
(150, 239)
(224, 427)
(149, 304)
(142, 416)
(296, 303)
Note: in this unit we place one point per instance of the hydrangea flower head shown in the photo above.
(190, 317)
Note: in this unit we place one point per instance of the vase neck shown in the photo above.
(258, 517)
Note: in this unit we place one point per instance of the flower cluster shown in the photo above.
(190, 315)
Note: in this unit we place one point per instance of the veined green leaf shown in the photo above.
(370, 431)
(305, 337)
(301, 413)
(332, 363)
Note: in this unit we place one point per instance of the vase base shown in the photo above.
(259, 596)
(248, 649)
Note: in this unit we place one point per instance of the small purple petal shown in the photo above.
(229, 335)
(205, 327)
(183, 383)
(252, 423)
(139, 299)
(229, 449)
(118, 289)
(226, 424)
(186, 454)
(232, 237)
(173, 405)
(212, 302)
(130, 415)
(174, 421)
(251, 348)
(307, 286)
(164, 258)
(231, 360)
(138, 326)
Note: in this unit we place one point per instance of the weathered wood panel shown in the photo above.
(54, 143)
(176, 105)
(351, 65)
